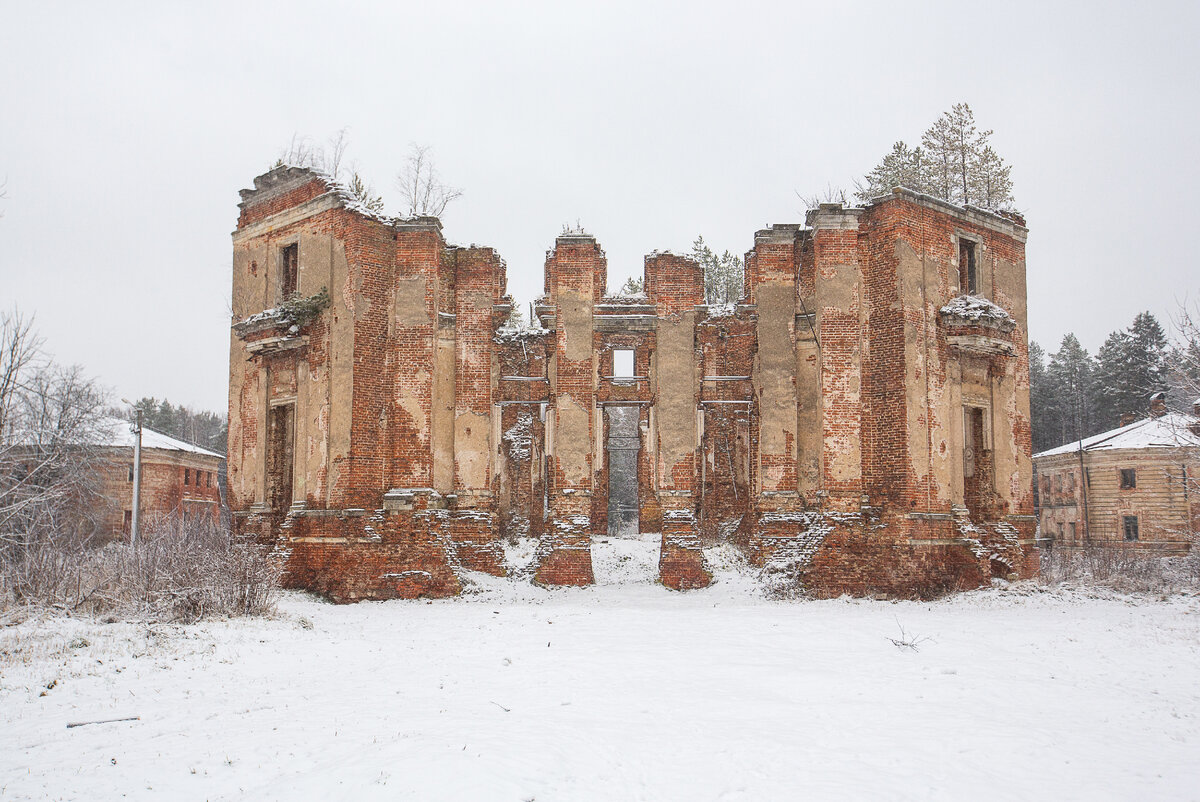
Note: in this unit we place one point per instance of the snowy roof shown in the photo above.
(119, 434)
(1168, 431)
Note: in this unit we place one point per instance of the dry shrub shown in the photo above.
(183, 570)
(1122, 569)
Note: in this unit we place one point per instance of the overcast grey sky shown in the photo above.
(127, 129)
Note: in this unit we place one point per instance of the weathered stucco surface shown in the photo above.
(339, 389)
(573, 442)
(575, 318)
(774, 373)
(410, 302)
(838, 291)
(676, 394)
(472, 447)
(443, 414)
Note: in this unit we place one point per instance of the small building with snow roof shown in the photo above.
(1133, 487)
(178, 477)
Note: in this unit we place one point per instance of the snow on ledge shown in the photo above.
(980, 311)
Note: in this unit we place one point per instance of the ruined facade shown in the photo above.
(861, 416)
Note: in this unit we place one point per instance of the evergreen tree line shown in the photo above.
(203, 428)
(1073, 394)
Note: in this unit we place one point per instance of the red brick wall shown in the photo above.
(283, 201)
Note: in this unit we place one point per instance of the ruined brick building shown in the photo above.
(861, 415)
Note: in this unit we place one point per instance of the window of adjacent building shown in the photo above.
(127, 525)
(968, 274)
(130, 476)
(187, 476)
(290, 270)
(1131, 527)
(1073, 528)
(623, 364)
(208, 478)
(1128, 478)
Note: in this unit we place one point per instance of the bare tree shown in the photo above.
(301, 152)
(53, 421)
(830, 194)
(1184, 356)
(20, 348)
(421, 187)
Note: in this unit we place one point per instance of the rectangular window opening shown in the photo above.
(291, 264)
(1128, 478)
(967, 273)
(187, 477)
(130, 477)
(1131, 527)
(623, 364)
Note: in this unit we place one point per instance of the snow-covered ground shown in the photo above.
(625, 691)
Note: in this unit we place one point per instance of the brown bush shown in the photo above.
(183, 570)
(1121, 569)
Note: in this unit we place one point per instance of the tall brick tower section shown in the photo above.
(576, 272)
(675, 285)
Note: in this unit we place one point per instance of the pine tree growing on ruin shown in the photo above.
(364, 193)
(632, 286)
(723, 275)
(991, 180)
(901, 167)
(954, 162)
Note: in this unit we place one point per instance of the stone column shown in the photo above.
(772, 271)
(478, 287)
(675, 285)
(575, 278)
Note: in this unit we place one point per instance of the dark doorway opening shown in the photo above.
(623, 445)
(978, 478)
(281, 428)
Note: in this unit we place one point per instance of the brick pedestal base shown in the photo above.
(565, 548)
(473, 533)
(681, 561)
